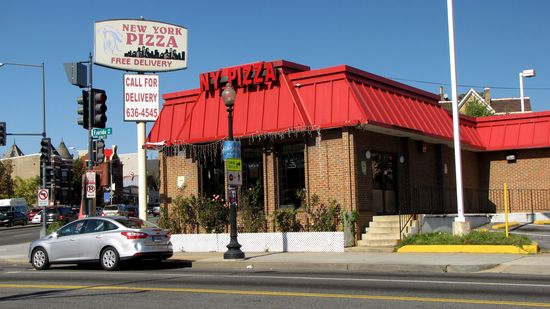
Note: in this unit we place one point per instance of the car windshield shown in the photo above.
(135, 223)
(112, 207)
(51, 211)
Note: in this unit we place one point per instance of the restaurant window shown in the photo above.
(291, 175)
(213, 179)
(252, 167)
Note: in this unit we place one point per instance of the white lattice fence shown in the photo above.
(262, 242)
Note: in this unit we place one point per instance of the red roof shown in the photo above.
(516, 131)
(304, 99)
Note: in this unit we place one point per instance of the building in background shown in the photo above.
(131, 179)
(28, 166)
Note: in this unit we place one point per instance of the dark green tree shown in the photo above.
(79, 169)
(6, 182)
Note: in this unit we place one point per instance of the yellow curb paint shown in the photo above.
(502, 225)
(283, 294)
(541, 222)
(469, 249)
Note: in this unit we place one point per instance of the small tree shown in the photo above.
(477, 109)
(27, 188)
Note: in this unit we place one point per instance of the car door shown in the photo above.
(95, 237)
(68, 243)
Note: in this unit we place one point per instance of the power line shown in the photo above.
(467, 86)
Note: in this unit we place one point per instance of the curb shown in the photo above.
(496, 249)
(500, 226)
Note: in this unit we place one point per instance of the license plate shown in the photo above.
(157, 238)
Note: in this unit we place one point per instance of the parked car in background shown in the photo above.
(156, 211)
(132, 211)
(37, 218)
(114, 210)
(63, 214)
(12, 215)
(33, 212)
(107, 240)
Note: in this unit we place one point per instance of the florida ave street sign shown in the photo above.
(101, 133)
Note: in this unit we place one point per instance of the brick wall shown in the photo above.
(531, 170)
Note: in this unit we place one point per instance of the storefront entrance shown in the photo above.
(384, 178)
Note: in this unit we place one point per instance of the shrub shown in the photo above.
(251, 210)
(320, 217)
(54, 226)
(285, 220)
(213, 215)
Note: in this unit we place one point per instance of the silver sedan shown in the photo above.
(107, 240)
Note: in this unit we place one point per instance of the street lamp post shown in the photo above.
(43, 165)
(522, 74)
(233, 248)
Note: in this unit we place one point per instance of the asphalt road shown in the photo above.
(19, 234)
(172, 285)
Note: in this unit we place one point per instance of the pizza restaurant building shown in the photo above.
(372, 144)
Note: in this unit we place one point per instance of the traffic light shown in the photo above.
(2, 134)
(99, 151)
(45, 150)
(99, 108)
(83, 110)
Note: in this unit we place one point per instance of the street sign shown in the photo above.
(234, 178)
(234, 165)
(43, 197)
(101, 132)
(90, 185)
(231, 150)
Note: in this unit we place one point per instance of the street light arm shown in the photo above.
(22, 64)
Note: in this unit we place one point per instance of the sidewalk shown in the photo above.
(346, 261)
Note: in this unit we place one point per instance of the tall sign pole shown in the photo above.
(460, 226)
(89, 201)
(138, 45)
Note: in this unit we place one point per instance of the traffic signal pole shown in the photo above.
(89, 201)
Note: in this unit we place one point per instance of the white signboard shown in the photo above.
(140, 45)
(43, 197)
(90, 185)
(141, 97)
(234, 178)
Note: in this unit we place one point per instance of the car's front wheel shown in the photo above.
(109, 258)
(40, 259)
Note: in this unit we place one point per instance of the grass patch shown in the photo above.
(472, 238)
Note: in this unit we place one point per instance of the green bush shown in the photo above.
(54, 226)
(285, 220)
(251, 210)
(213, 215)
(472, 238)
(183, 216)
(321, 217)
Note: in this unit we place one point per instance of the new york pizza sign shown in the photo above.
(140, 45)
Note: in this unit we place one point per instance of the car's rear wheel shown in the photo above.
(40, 260)
(109, 258)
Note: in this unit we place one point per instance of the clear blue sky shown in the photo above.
(404, 40)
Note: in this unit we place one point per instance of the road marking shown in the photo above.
(171, 275)
(280, 294)
(531, 234)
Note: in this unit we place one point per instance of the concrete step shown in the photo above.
(377, 243)
(371, 235)
(382, 229)
(384, 224)
(370, 249)
(385, 219)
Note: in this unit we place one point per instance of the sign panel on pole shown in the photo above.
(231, 150)
(140, 45)
(90, 185)
(43, 197)
(234, 178)
(141, 97)
(234, 165)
